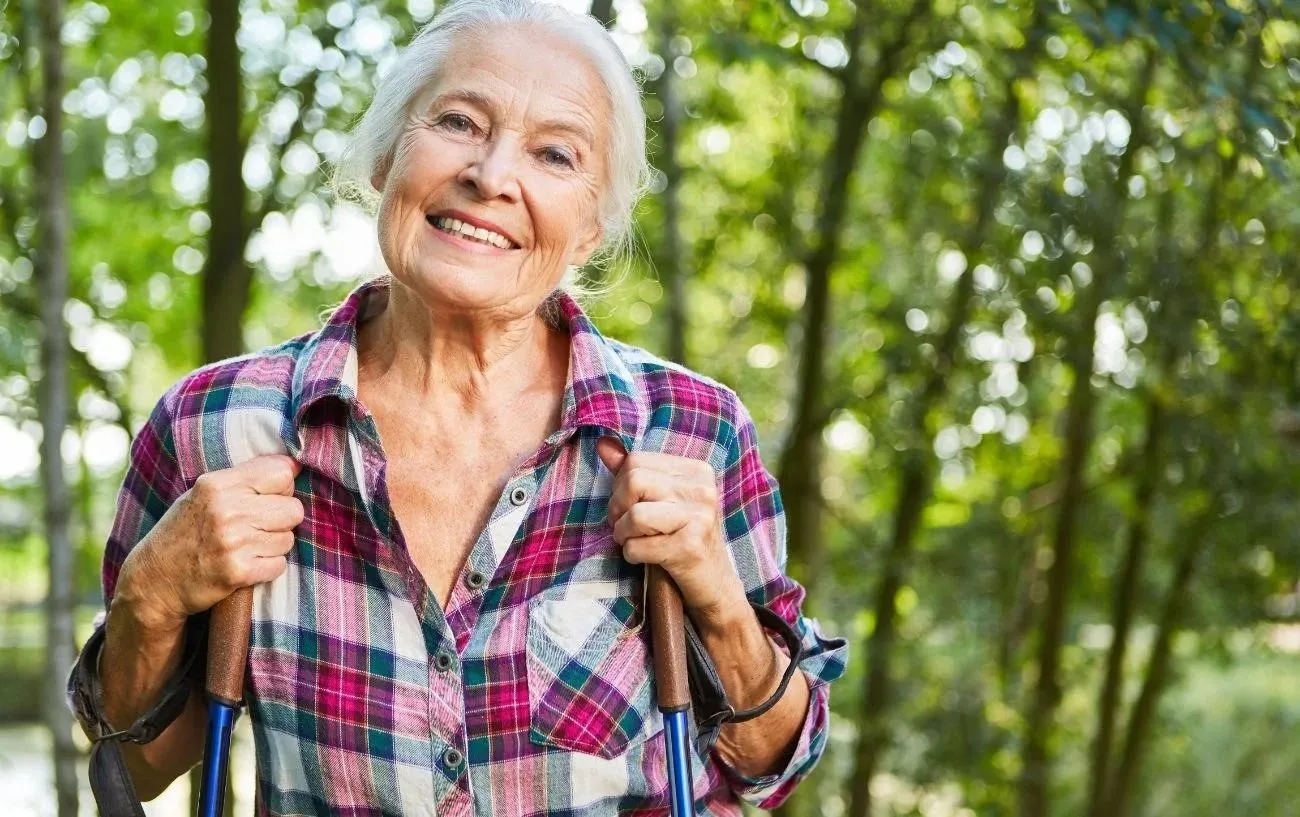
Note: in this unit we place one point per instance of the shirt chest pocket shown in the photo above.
(590, 687)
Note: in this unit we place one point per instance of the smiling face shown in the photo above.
(508, 144)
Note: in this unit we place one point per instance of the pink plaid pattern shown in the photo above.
(531, 693)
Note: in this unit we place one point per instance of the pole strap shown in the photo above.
(709, 699)
(110, 780)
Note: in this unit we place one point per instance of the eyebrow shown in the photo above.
(483, 101)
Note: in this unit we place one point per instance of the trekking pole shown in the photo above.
(227, 660)
(672, 685)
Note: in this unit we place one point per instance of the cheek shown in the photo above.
(415, 173)
(563, 212)
(393, 215)
(421, 163)
(398, 223)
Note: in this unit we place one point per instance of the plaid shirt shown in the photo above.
(532, 692)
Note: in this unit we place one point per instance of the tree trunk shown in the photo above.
(603, 10)
(1125, 603)
(672, 269)
(1078, 440)
(1117, 802)
(52, 258)
(800, 466)
(1173, 327)
(226, 278)
(1017, 577)
(917, 477)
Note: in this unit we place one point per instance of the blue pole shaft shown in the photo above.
(216, 758)
(679, 764)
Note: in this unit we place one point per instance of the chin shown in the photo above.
(458, 286)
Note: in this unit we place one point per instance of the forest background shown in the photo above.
(1012, 290)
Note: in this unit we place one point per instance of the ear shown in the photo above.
(587, 245)
(379, 174)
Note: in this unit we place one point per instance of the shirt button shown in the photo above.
(452, 758)
(519, 496)
(475, 580)
(445, 661)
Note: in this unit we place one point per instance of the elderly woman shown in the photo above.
(445, 497)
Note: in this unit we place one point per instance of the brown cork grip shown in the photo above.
(668, 631)
(228, 646)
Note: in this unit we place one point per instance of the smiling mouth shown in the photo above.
(471, 233)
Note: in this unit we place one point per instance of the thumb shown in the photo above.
(611, 453)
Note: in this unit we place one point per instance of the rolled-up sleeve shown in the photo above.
(754, 521)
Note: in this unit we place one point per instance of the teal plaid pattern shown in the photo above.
(530, 694)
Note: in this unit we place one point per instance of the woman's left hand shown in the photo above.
(666, 511)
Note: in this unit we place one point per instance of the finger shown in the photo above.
(266, 545)
(266, 568)
(651, 518)
(667, 463)
(648, 549)
(268, 474)
(645, 484)
(274, 512)
(611, 453)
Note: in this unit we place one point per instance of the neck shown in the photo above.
(454, 360)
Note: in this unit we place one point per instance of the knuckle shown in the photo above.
(207, 487)
(649, 483)
(226, 538)
(223, 515)
(231, 574)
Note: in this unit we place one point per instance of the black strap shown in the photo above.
(110, 781)
(709, 699)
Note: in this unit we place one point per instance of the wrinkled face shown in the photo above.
(494, 187)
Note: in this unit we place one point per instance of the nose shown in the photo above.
(494, 171)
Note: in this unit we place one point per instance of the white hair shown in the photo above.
(378, 130)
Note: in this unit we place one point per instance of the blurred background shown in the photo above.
(1012, 290)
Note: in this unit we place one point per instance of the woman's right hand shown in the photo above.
(230, 530)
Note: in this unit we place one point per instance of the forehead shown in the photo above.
(526, 72)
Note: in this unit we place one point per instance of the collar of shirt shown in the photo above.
(598, 391)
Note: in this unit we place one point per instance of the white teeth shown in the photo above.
(454, 225)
